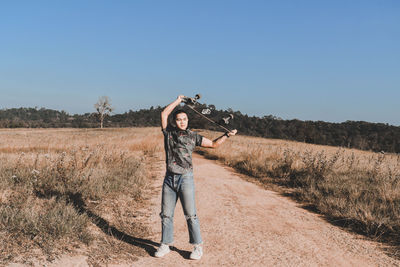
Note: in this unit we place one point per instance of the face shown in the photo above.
(181, 121)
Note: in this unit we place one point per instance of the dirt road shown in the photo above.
(245, 225)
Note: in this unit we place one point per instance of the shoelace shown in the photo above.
(197, 249)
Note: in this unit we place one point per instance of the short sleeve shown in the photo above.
(198, 139)
(167, 130)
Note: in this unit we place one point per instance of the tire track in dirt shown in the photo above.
(243, 224)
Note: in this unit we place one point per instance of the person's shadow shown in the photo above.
(149, 246)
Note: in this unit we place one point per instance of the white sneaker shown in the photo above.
(162, 251)
(197, 252)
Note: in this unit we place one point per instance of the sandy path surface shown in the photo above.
(245, 225)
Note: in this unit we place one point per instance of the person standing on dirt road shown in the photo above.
(179, 143)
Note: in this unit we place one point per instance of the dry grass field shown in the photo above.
(352, 188)
(66, 191)
(73, 191)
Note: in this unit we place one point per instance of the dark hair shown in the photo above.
(179, 111)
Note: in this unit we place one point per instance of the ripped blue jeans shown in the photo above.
(179, 186)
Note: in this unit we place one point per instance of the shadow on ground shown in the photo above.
(79, 204)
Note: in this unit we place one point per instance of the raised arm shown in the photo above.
(168, 109)
(218, 141)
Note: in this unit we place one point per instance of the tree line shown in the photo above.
(351, 134)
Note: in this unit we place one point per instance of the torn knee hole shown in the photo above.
(191, 217)
(163, 216)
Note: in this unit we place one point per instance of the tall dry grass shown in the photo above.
(56, 186)
(354, 188)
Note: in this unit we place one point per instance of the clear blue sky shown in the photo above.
(310, 60)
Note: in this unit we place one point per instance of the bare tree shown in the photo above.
(103, 108)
